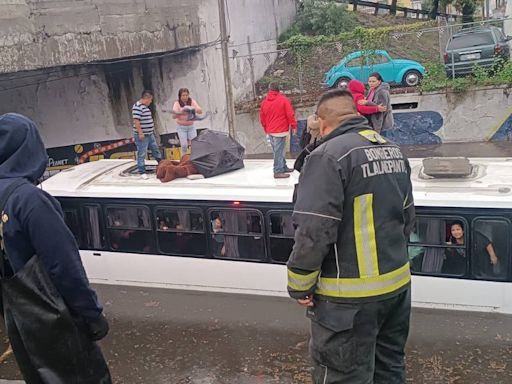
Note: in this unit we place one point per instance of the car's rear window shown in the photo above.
(471, 40)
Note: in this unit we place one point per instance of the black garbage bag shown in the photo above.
(214, 153)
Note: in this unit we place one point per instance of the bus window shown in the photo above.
(181, 231)
(237, 234)
(437, 246)
(281, 236)
(490, 249)
(129, 229)
(71, 220)
(93, 229)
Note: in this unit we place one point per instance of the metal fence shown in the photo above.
(397, 58)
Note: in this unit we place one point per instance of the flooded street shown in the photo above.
(163, 336)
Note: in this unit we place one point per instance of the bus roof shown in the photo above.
(114, 179)
(490, 186)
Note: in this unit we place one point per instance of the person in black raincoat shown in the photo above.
(54, 319)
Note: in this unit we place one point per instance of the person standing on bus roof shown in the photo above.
(349, 266)
(144, 132)
(56, 344)
(277, 116)
(184, 110)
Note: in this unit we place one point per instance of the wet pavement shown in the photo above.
(163, 336)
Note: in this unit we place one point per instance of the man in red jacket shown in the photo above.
(276, 116)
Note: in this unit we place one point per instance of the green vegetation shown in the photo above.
(322, 17)
(466, 7)
(325, 31)
(436, 78)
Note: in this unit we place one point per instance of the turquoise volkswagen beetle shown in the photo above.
(359, 65)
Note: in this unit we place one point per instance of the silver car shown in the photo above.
(485, 47)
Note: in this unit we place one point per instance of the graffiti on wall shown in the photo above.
(503, 130)
(418, 127)
(60, 158)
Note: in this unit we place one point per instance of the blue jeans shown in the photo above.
(142, 149)
(278, 144)
(185, 134)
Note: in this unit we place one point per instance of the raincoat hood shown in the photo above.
(355, 86)
(272, 95)
(22, 152)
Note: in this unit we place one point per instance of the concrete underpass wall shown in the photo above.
(86, 104)
(48, 33)
(89, 103)
(478, 115)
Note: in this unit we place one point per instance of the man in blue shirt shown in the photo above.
(144, 131)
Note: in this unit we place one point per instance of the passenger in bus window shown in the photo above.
(163, 226)
(455, 262)
(485, 260)
(219, 248)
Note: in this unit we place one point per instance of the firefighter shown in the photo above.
(353, 214)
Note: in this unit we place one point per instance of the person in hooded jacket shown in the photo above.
(379, 95)
(33, 224)
(364, 107)
(276, 117)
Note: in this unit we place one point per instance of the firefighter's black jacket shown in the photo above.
(353, 214)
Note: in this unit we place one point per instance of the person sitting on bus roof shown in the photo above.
(455, 262)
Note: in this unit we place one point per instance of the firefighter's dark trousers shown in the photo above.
(360, 343)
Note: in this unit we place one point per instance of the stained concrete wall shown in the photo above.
(46, 33)
(256, 24)
(88, 103)
(483, 114)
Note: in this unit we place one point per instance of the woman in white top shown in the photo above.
(184, 111)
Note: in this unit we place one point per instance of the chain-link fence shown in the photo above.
(422, 56)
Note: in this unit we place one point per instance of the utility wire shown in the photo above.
(98, 63)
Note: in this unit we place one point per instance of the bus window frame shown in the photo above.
(270, 236)
(508, 276)
(210, 232)
(171, 207)
(108, 228)
(76, 212)
(102, 225)
(467, 241)
(207, 254)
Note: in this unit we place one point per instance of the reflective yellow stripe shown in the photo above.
(373, 136)
(364, 287)
(364, 231)
(302, 282)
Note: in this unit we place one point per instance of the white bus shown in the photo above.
(233, 233)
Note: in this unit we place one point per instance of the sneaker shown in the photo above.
(289, 170)
(144, 176)
(281, 175)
